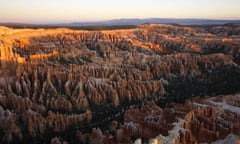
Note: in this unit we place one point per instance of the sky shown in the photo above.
(54, 11)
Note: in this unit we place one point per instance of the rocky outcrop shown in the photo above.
(209, 122)
(149, 121)
(230, 139)
(60, 85)
(202, 121)
(10, 131)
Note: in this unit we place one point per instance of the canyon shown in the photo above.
(155, 83)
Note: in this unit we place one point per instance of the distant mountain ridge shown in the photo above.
(134, 21)
(157, 20)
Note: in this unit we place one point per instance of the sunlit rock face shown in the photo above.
(118, 86)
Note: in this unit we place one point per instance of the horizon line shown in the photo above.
(107, 20)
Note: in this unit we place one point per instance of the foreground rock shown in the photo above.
(201, 121)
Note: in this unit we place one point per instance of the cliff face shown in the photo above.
(110, 84)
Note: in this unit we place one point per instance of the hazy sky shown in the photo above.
(94, 10)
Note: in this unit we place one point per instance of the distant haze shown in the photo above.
(61, 11)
